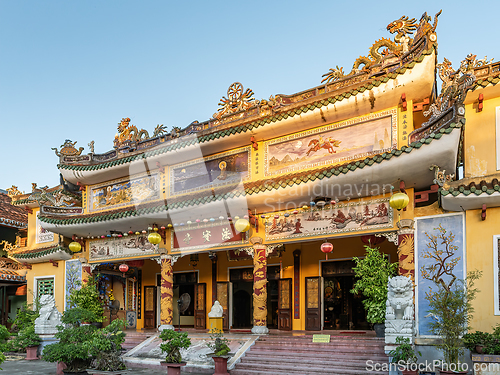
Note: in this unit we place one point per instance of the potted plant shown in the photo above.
(73, 348)
(220, 347)
(106, 345)
(372, 273)
(87, 297)
(29, 340)
(173, 342)
(476, 341)
(405, 356)
(450, 299)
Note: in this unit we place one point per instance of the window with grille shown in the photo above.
(45, 286)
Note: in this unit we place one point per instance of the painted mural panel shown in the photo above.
(73, 277)
(42, 235)
(122, 193)
(339, 218)
(223, 169)
(343, 141)
(453, 224)
(124, 247)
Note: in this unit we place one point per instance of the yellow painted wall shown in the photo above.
(32, 233)
(479, 150)
(46, 270)
(480, 255)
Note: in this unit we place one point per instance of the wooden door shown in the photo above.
(285, 304)
(313, 303)
(149, 306)
(200, 308)
(223, 298)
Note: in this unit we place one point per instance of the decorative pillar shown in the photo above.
(166, 293)
(406, 249)
(296, 284)
(259, 287)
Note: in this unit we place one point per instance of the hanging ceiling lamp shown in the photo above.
(326, 247)
(399, 201)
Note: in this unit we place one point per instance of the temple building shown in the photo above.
(263, 206)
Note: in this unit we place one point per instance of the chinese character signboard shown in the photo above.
(206, 236)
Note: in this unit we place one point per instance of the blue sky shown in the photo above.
(73, 69)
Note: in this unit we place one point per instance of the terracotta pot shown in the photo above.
(60, 367)
(31, 353)
(479, 349)
(220, 365)
(409, 372)
(173, 368)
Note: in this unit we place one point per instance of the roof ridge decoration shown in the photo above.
(14, 191)
(129, 134)
(68, 149)
(56, 198)
(402, 27)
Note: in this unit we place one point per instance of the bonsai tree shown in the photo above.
(26, 338)
(218, 343)
(87, 297)
(450, 300)
(404, 354)
(473, 341)
(74, 347)
(372, 273)
(106, 345)
(173, 342)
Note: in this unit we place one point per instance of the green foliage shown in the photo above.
(74, 346)
(26, 316)
(87, 297)
(105, 347)
(218, 343)
(26, 337)
(5, 346)
(2, 359)
(451, 306)
(372, 273)
(173, 342)
(404, 352)
(470, 340)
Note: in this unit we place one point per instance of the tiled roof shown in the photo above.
(39, 252)
(473, 187)
(10, 215)
(253, 187)
(25, 199)
(11, 275)
(251, 125)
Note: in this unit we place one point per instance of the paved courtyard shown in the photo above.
(20, 366)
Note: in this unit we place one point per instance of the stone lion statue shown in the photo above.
(399, 303)
(49, 317)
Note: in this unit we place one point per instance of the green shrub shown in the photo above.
(87, 297)
(372, 273)
(173, 342)
(105, 347)
(26, 338)
(218, 343)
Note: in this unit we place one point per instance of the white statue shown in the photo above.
(216, 311)
(49, 317)
(399, 309)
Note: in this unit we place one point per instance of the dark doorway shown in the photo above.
(242, 302)
(342, 309)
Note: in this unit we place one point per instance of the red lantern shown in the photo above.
(123, 268)
(326, 247)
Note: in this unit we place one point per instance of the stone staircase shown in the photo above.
(273, 354)
(134, 338)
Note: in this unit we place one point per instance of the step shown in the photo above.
(347, 362)
(302, 369)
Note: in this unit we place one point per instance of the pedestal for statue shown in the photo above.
(399, 320)
(215, 318)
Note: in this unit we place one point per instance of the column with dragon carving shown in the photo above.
(259, 287)
(406, 249)
(166, 293)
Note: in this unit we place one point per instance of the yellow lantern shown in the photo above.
(75, 247)
(399, 201)
(154, 238)
(242, 225)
